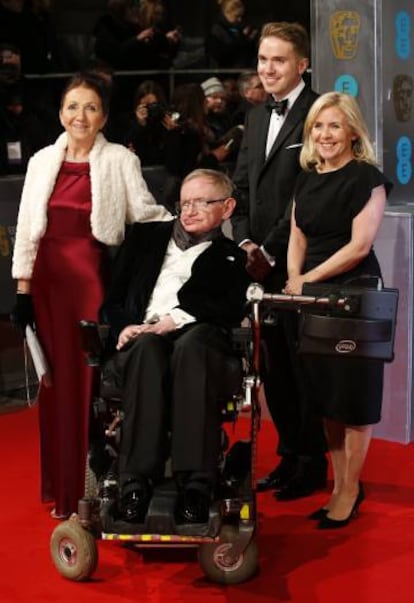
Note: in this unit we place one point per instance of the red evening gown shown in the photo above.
(67, 285)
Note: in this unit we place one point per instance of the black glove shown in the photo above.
(22, 313)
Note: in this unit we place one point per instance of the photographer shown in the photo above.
(191, 144)
(136, 35)
(26, 123)
(149, 124)
(21, 133)
(231, 42)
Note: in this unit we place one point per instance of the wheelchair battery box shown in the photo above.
(364, 328)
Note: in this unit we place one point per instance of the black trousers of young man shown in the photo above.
(301, 442)
(172, 384)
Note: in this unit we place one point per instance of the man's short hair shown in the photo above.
(294, 33)
(218, 179)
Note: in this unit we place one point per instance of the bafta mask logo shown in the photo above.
(344, 28)
(402, 93)
(4, 242)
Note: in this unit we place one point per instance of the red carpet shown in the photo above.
(369, 561)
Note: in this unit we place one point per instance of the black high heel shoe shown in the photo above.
(318, 514)
(326, 523)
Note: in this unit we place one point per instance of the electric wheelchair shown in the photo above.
(226, 544)
(341, 320)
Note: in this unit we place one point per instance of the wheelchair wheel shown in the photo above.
(220, 566)
(73, 550)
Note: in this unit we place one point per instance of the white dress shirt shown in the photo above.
(175, 271)
(276, 121)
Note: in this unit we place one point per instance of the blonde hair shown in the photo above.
(151, 12)
(232, 8)
(362, 148)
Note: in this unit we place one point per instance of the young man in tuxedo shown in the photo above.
(178, 288)
(267, 167)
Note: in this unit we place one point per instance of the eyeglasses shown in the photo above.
(196, 204)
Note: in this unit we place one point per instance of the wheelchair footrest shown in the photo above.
(160, 519)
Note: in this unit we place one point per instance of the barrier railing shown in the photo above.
(170, 74)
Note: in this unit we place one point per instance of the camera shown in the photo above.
(175, 116)
(156, 111)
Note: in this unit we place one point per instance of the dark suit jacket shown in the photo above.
(215, 292)
(264, 187)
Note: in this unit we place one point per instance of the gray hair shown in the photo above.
(218, 179)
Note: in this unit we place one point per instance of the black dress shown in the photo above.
(348, 390)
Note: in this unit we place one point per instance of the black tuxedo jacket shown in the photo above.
(264, 187)
(214, 293)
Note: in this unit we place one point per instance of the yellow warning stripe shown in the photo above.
(158, 538)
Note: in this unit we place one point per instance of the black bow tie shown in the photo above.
(279, 106)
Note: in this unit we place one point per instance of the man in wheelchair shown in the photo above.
(178, 287)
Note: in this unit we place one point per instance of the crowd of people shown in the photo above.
(132, 36)
(201, 125)
(129, 35)
(305, 202)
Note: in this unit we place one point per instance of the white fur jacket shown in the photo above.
(119, 195)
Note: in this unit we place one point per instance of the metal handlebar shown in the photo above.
(255, 294)
(257, 297)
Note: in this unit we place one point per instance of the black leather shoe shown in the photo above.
(278, 477)
(193, 506)
(309, 477)
(300, 487)
(135, 498)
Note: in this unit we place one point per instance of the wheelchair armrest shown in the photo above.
(92, 336)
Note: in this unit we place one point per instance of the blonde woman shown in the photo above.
(338, 207)
(231, 42)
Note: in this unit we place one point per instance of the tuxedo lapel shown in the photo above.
(295, 115)
(258, 136)
(262, 130)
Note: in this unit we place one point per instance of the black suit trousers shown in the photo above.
(299, 428)
(172, 387)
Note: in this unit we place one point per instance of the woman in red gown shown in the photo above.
(78, 194)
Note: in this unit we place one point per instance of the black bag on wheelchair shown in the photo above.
(364, 327)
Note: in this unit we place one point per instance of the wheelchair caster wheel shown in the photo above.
(218, 563)
(73, 550)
